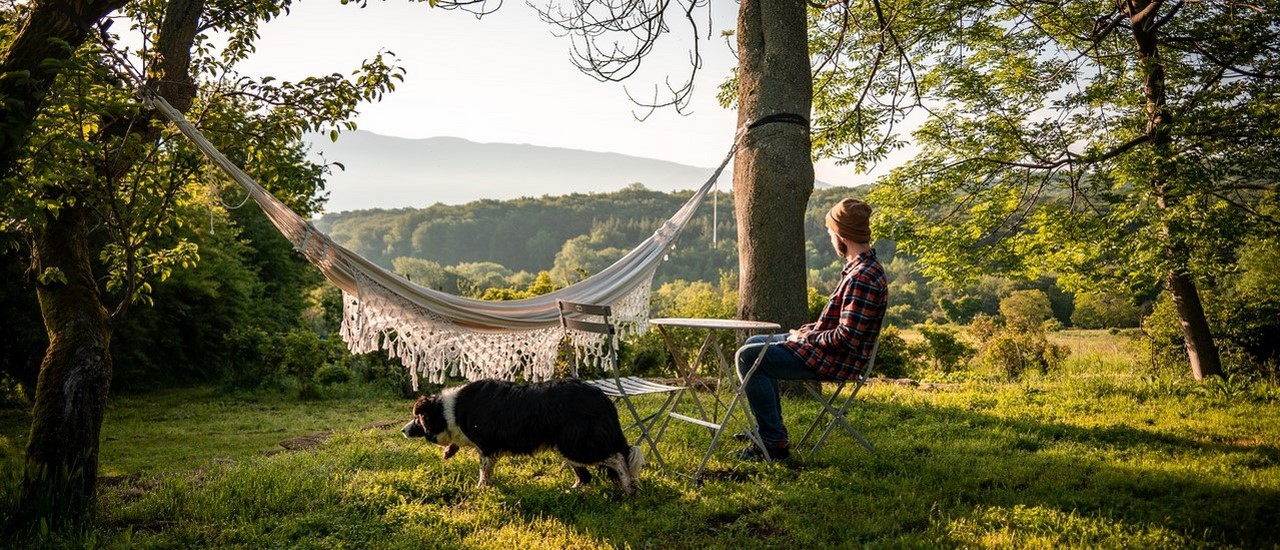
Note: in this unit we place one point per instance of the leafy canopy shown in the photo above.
(1033, 152)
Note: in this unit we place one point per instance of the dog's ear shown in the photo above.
(420, 405)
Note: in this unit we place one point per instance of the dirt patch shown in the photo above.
(306, 442)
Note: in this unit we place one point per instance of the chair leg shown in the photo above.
(643, 425)
(837, 417)
(822, 414)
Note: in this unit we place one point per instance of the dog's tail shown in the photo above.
(635, 461)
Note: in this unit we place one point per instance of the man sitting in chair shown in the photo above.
(836, 346)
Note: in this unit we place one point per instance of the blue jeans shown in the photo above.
(762, 390)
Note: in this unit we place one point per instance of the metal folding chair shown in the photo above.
(597, 319)
(838, 414)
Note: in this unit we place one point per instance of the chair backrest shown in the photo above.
(592, 319)
(871, 361)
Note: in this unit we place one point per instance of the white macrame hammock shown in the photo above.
(438, 335)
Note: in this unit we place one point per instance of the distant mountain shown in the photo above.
(392, 172)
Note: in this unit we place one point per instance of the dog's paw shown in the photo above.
(449, 451)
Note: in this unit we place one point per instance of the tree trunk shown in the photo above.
(71, 394)
(773, 171)
(1195, 327)
(62, 456)
(1196, 335)
(52, 31)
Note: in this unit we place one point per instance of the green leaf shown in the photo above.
(51, 275)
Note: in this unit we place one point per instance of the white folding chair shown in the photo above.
(838, 414)
(597, 319)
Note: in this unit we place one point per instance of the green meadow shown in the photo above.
(1093, 455)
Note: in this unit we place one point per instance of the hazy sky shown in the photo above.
(507, 78)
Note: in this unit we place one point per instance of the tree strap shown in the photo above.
(788, 118)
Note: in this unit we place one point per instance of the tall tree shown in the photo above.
(1122, 143)
(83, 174)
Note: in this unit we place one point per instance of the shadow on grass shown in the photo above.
(950, 476)
(944, 476)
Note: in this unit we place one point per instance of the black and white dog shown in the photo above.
(500, 418)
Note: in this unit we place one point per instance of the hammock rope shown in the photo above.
(438, 335)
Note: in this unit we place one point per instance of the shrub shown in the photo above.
(377, 368)
(299, 353)
(1014, 353)
(903, 314)
(814, 302)
(331, 374)
(961, 310)
(942, 347)
(12, 394)
(647, 355)
(984, 327)
(1246, 331)
(892, 356)
(250, 357)
(1025, 309)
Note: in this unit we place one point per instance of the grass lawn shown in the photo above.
(1095, 455)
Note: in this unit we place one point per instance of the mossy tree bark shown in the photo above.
(71, 394)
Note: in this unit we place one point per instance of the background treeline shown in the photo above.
(254, 314)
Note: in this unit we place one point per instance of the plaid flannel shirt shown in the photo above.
(838, 345)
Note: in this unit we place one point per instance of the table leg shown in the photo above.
(685, 369)
(738, 396)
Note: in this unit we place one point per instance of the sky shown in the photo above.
(506, 78)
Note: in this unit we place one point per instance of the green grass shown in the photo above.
(1093, 456)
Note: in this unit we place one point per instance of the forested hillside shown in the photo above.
(566, 235)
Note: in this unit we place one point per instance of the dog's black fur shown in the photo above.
(499, 418)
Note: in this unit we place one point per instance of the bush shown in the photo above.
(961, 310)
(377, 368)
(984, 327)
(647, 355)
(331, 374)
(1013, 353)
(250, 354)
(12, 394)
(942, 347)
(1246, 332)
(298, 354)
(892, 356)
(903, 314)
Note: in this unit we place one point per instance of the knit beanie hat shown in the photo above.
(851, 219)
